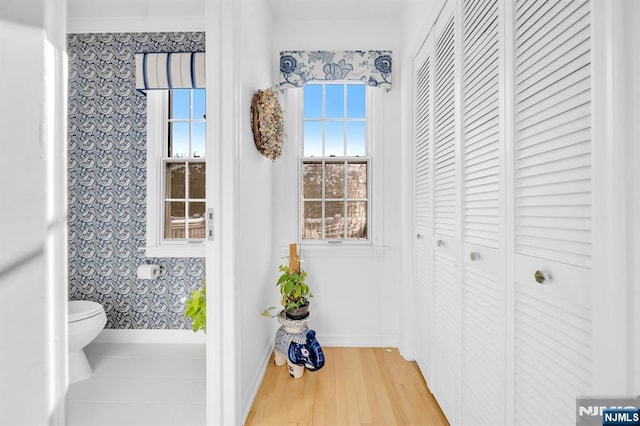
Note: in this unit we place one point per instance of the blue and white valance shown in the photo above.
(175, 70)
(372, 67)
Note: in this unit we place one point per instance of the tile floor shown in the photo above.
(140, 384)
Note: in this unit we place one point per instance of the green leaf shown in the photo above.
(288, 287)
(196, 309)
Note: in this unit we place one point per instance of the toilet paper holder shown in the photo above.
(149, 271)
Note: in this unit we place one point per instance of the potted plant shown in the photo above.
(294, 293)
(196, 308)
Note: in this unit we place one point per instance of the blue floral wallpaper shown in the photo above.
(107, 178)
(372, 67)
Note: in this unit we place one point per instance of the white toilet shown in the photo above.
(86, 320)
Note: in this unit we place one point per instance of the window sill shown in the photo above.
(192, 250)
(336, 250)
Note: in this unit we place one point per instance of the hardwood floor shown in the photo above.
(357, 386)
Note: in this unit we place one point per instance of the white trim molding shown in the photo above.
(374, 246)
(113, 16)
(613, 145)
(250, 396)
(135, 25)
(110, 335)
(156, 140)
(358, 340)
(223, 106)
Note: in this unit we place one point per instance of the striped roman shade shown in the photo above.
(177, 70)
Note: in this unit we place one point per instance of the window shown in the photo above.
(335, 164)
(176, 173)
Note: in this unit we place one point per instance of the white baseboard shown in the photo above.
(109, 335)
(359, 340)
(257, 382)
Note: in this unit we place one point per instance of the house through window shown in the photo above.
(176, 172)
(184, 166)
(335, 163)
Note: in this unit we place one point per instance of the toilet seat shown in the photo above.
(82, 309)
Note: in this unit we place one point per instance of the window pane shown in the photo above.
(179, 142)
(356, 101)
(334, 125)
(313, 139)
(334, 99)
(334, 221)
(197, 177)
(312, 101)
(312, 180)
(355, 139)
(199, 104)
(312, 220)
(357, 219)
(198, 140)
(334, 176)
(174, 220)
(357, 180)
(196, 224)
(334, 139)
(174, 173)
(179, 103)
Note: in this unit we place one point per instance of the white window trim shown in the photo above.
(375, 153)
(157, 117)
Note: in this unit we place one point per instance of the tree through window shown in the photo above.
(184, 166)
(335, 162)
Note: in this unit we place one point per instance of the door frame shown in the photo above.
(613, 219)
(222, 17)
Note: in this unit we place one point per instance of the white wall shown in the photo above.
(255, 267)
(33, 348)
(633, 36)
(96, 16)
(356, 292)
(418, 18)
(629, 38)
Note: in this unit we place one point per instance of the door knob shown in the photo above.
(419, 236)
(474, 255)
(440, 243)
(542, 277)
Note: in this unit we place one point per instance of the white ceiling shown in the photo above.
(337, 9)
(84, 15)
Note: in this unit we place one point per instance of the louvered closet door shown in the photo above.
(483, 267)
(553, 327)
(445, 343)
(423, 203)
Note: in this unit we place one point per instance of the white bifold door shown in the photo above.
(445, 300)
(483, 212)
(423, 210)
(503, 210)
(552, 171)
